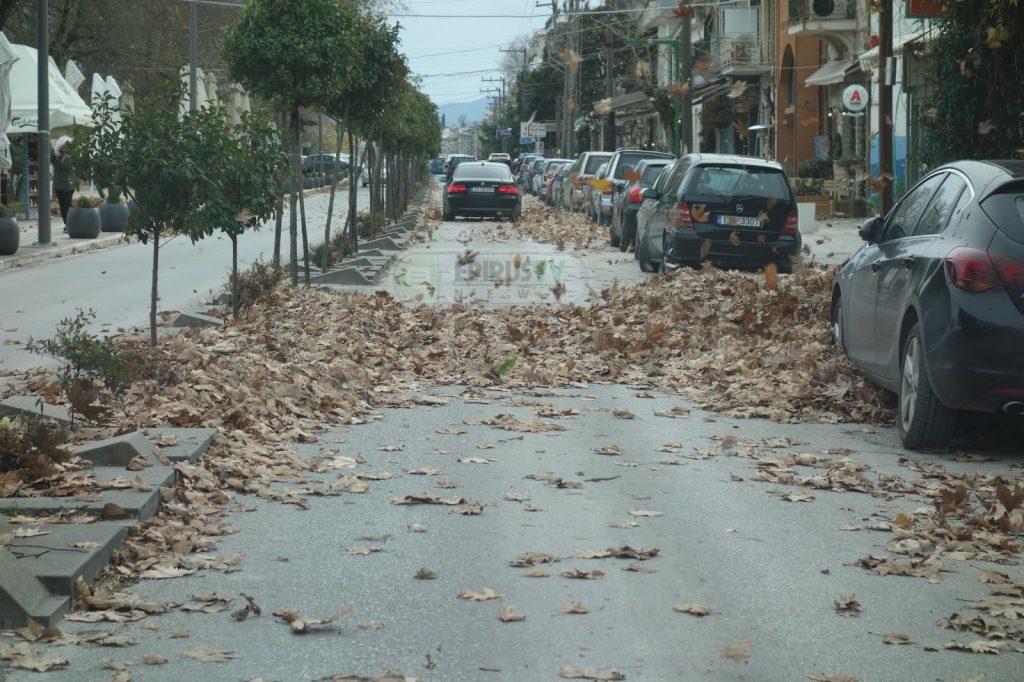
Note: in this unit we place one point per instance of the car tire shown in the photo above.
(448, 215)
(613, 238)
(642, 257)
(838, 325)
(627, 238)
(922, 421)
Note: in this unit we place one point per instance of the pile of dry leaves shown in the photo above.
(544, 225)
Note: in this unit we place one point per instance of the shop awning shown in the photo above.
(833, 72)
(869, 59)
(66, 107)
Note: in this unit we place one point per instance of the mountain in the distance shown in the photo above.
(473, 110)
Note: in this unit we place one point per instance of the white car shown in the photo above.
(364, 176)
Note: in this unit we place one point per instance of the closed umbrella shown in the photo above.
(201, 98)
(212, 98)
(115, 93)
(73, 75)
(66, 106)
(7, 59)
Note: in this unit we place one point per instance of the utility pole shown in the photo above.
(43, 138)
(608, 143)
(686, 49)
(192, 40)
(885, 168)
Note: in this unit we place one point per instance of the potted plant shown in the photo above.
(10, 236)
(113, 214)
(811, 191)
(84, 219)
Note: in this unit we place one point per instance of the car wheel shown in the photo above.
(627, 238)
(613, 238)
(922, 421)
(641, 256)
(838, 326)
(448, 215)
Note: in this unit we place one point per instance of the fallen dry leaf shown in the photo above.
(692, 609)
(301, 625)
(737, 652)
(486, 595)
(568, 673)
(205, 654)
(507, 615)
(573, 607)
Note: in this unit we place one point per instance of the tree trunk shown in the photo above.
(354, 163)
(305, 238)
(234, 276)
(153, 296)
(279, 213)
(325, 261)
(293, 224)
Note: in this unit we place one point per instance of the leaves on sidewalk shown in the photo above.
(301, 625)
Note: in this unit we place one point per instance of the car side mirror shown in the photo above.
(869, 230)
(651, 193)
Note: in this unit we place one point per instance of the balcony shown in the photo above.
(822, 17)
(739, 56)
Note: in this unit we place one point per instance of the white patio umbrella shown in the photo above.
(236, 102)
(73, 75)
(115, 92)
(101, 89)
(212, 96)
(66, 107)
(128, 96)
(7, 59)
(201, 98)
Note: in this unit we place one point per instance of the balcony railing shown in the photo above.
(740, 54)
(821, 10)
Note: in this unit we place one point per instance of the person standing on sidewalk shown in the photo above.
(64, 181)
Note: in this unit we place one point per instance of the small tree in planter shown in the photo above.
(248, 165)
(10, 233)
(156, 159)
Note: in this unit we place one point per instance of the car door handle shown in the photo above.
(876, 266)
(909, 262)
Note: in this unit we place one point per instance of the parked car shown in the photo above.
(518, 165)
(620, 165)
(437, 166)
(557, 184)
(547, 192)
(324, 163)
(543, 174)
(627, 201)
(575, 194)
(531, 171)
(453, 162)
(932, 307)
(482, 188)
(649, 240)
(593, 192)
(732, 210)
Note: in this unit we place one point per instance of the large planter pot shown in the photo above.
(821, 205)
(307, 182)
(83, 223)
(10, 236)
(113, 217)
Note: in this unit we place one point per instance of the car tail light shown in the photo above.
(971, 270)
(457, 188)
(1011, 272)
(790, 227)
(635, 195)
(680, 216)
(507, 189)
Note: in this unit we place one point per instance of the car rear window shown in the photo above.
(628, 162)
(651, 174)
(594, 162)
(733, 182)
(1006, 209)
(478, 171)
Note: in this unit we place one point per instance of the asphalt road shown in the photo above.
(768, 569)
(115, 282)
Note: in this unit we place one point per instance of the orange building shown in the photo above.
(798, 109)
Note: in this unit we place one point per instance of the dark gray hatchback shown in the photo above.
(932, 307)
(731, 210)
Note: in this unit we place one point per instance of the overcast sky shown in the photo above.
(476, 40)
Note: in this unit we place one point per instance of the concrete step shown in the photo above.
(52, 558)
(189, 443)
(384, 244)
(29, 406)
(347, 275)
(23, 596)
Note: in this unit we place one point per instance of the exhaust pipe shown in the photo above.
(1014, 407)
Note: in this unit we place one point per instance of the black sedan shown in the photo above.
(731, 210)
(932, 307)
(481, 188)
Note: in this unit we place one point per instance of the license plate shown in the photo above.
(739, 220)
(482, 190)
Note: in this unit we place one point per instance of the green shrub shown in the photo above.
(86, 202)
(808, 187)
(812, 168)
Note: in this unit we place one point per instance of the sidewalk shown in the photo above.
(31, 252)
(832, 240)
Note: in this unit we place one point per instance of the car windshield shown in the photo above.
(732, 182)
(651, 174)
(628, 162)
(594, 162)
(482, 171)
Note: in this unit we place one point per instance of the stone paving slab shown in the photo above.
(194, 319)
(28, 405)
(118, 450)
(137, 505)
(384, 244)
(53, 560)
(191, 442)
(345, 276)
